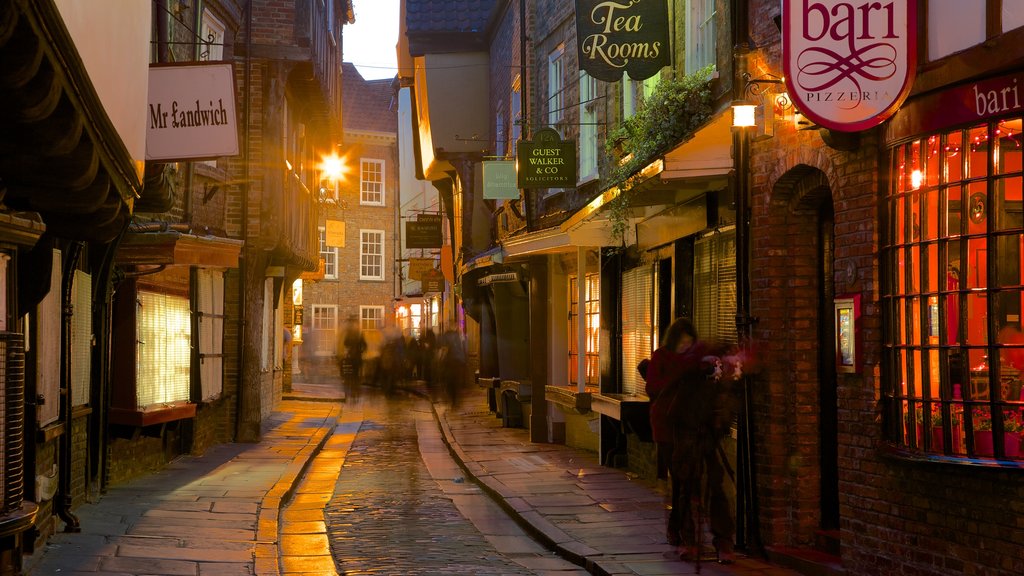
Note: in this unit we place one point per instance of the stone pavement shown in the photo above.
(258, 508)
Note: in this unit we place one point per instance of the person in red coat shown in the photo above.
(678, 385)
(678, 357)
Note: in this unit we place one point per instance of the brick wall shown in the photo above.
(897, 517)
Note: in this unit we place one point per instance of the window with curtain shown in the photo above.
(637, 325)
(371, 182)
(953, 292)
(714, 286)
(81, 338)
(48, 316)
(591, 309)
(209, 304)
(371, 254)
(164, 350)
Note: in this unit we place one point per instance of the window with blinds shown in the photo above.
(210, 308)
(714, 286)
(81, 337)
(164, 349)
(637, 327)
(48, 347)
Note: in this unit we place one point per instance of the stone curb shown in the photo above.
(267, 552)
(525, 515)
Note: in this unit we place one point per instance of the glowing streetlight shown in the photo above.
(333, 167)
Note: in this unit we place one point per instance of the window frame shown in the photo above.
(329, 255)
(368, 260)
(372, 197)
(588, 145)
(325, 324)
(592, 309)
(945, 225)
(556, 85)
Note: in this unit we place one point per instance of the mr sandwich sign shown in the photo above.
(849, 64)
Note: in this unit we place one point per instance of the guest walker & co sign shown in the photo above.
(849, 64)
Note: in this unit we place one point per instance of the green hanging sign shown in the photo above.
(547, 161)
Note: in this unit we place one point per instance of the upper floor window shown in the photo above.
(700, 34)
(556, 85)
(516, 113)
(953, 292)
(211, 41)
(588, 127)
(499, 131)
(371, 254)
(371, 182)
(629, 100)
(954, 25)
(329, 254)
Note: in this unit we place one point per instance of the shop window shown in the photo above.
(714, 286)
(164, 350)
(47, 347)
(371, 323)
(371, 182)
(591, 310)
(952, 292)
(81, 338)
(325, 327)
(371, 254)
(637, 325)
(210, 311)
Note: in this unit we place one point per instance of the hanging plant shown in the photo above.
(674, 111)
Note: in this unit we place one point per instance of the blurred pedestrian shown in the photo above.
(451, 365)
(353, 346)
(681, 381)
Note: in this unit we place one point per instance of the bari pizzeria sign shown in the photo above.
(628, 35)
(849, 64)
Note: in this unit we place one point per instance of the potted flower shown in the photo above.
(1013, 426)
(938, 440)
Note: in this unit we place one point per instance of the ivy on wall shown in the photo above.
(673, 112)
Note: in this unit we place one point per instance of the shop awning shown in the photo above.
(700, 165)
(171, 248)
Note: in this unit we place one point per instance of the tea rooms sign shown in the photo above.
(625, 36)
(849, 64)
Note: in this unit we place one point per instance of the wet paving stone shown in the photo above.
(388, 515)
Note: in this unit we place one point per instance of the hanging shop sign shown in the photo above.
(849, 64)
(423, 232)
(630, 36)
(433, 281)
(420, 266)
(334, 233)
(191, 112)
(547, 161)
(500, 180)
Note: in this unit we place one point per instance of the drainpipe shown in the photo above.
(63, 499)
(748, 535)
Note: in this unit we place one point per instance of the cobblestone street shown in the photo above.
(402, 506)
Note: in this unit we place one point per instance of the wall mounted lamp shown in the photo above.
(761, 101)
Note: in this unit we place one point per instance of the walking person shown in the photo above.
(685, 426)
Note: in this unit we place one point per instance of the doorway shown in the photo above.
(827, 380)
